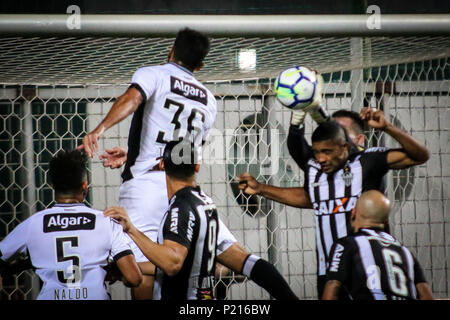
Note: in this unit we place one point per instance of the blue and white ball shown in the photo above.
(295, 87)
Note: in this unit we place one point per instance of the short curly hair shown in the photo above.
(68, 171)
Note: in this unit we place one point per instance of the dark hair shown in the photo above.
(190, 47)
(358, 124)
(329, 130)
(180, 159)
(67, 171)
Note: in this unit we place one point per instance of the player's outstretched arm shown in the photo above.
(331, 291)
(412, 152)
(169, 256)
(125, 105)
(295, 197)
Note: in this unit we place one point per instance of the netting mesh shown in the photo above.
(114, 60)
(38, 120)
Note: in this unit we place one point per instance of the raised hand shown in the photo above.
(248, 184)
(90, 143)
(121, 216)
(375, 118)
(114, 158)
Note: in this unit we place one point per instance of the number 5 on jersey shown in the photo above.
(73, 269)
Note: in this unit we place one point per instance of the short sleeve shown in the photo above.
(119, 243)
(376, 159)
(145, 79)
(15, 241)
(180, 225)
(340, 266)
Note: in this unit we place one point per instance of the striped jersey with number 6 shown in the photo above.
(373, 265)
(191, 221)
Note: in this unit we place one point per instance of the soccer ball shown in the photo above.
(295, 87)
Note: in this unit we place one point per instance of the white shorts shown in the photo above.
(145, 199)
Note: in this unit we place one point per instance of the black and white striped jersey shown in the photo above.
(334, 195)
(191, 221)
(68, 244)
(373, 265)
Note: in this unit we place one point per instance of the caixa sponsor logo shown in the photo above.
(335, 205)
(69, 221)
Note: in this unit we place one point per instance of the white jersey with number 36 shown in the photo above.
(69, 244)
(175, 105)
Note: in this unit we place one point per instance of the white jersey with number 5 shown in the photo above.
(69, 244)
(175, 105)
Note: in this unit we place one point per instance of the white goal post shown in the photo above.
(57, 83)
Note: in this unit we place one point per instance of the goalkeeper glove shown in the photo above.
(298, 118)
(318, 114)
(315, 110)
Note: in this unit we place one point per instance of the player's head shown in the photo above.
(372, 210)
(180, 160)
(330, 146)
(190, 48)
(68, 174)
(352, 122)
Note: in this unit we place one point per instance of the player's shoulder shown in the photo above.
(150, 70)
(346, 241)
(189, 197)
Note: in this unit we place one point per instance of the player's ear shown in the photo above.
(84, 187)
(353, 215)
(170, 55)
(197, 168)
(360, 139)
(161, 165)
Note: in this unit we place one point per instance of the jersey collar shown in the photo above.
(77, 204)
(181, 67)
(373, 229)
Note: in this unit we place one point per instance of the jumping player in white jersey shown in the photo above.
(69, 244)
(168, 104)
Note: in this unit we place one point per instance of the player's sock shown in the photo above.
(267, 276)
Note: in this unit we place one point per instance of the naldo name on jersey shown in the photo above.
(66, 221)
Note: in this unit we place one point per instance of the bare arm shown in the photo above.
(331, 291)
(412, 152)
(168, 256)
(424, 291)
(125, 105)
(295, 197)
(131, 274)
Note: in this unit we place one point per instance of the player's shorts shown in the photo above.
(146, 201)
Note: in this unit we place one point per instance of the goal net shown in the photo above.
(53, 90)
